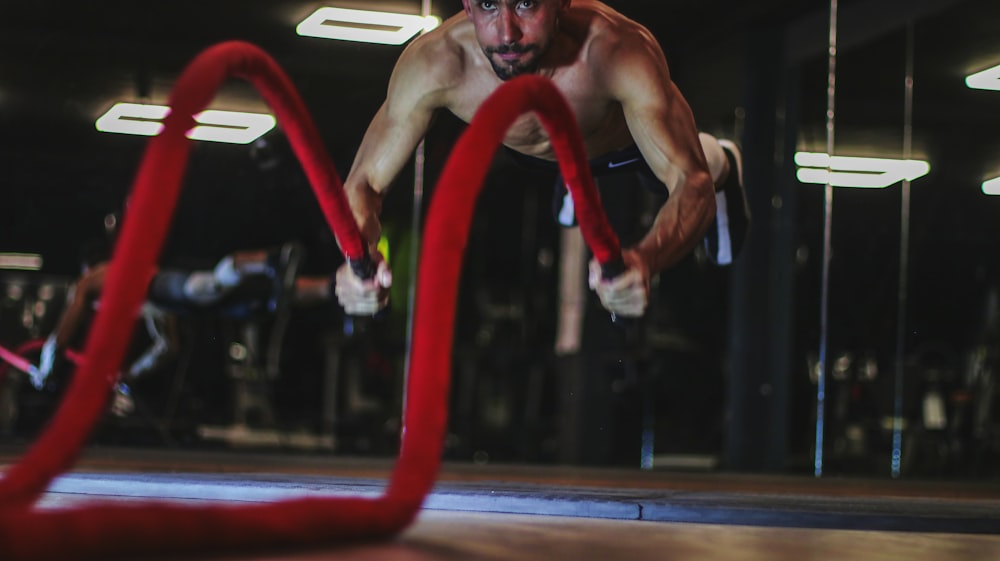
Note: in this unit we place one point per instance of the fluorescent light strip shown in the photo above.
(397, 28)
(233, 127)
(20, 261)
(988, 79)
(992, 186)
(848, 171)
(133, 118)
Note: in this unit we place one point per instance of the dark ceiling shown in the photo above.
(65, 63)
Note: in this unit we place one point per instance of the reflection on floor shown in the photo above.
(527, 512)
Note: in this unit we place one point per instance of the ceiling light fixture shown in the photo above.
(992, 186)
(365, 26)
(133, 118)
(20, 261)
(235, 127)
(849, 171)
(988, 79)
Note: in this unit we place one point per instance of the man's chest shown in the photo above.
(593, 111)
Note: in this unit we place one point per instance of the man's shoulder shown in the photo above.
(438, 54)
(450, 41)
(611, 30)
(611, 38)
(433, 68)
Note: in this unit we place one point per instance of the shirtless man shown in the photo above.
(615, 78)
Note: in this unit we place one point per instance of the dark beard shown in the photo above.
(507, 70)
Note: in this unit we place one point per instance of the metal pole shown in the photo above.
(415, 231)
(904, 259)
(831, 90)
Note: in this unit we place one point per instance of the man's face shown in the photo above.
(514, 34)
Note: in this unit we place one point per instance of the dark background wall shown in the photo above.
(752, 71)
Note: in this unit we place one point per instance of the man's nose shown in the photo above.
(510, 28)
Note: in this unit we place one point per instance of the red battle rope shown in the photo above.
(103, 530)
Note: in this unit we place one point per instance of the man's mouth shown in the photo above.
(511, 51)
(511, 60)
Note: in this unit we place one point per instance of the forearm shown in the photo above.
(83, 294)
(312, 289)
(69, 322)
(680, 223)
(366, 205)
(364, 292)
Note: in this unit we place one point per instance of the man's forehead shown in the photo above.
(514, 2)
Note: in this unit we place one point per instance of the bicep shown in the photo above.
(401, 122)
(660, 120)
(388, 143)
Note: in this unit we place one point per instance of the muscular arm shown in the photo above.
(392, 136)
(417, 88)
(662, 125)
(87, 289)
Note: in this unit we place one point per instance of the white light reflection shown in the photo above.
(365, 26)
(849, 171)
(235, 127)
(988, 79)
(133, 118)
(20, 261)
(992, 186)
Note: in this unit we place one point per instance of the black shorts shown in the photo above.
(628, 160)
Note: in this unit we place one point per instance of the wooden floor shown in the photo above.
(452, 536)
(524, 513)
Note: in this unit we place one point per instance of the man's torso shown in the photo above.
(599, 117)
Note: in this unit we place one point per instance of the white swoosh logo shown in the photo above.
(613, 165)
